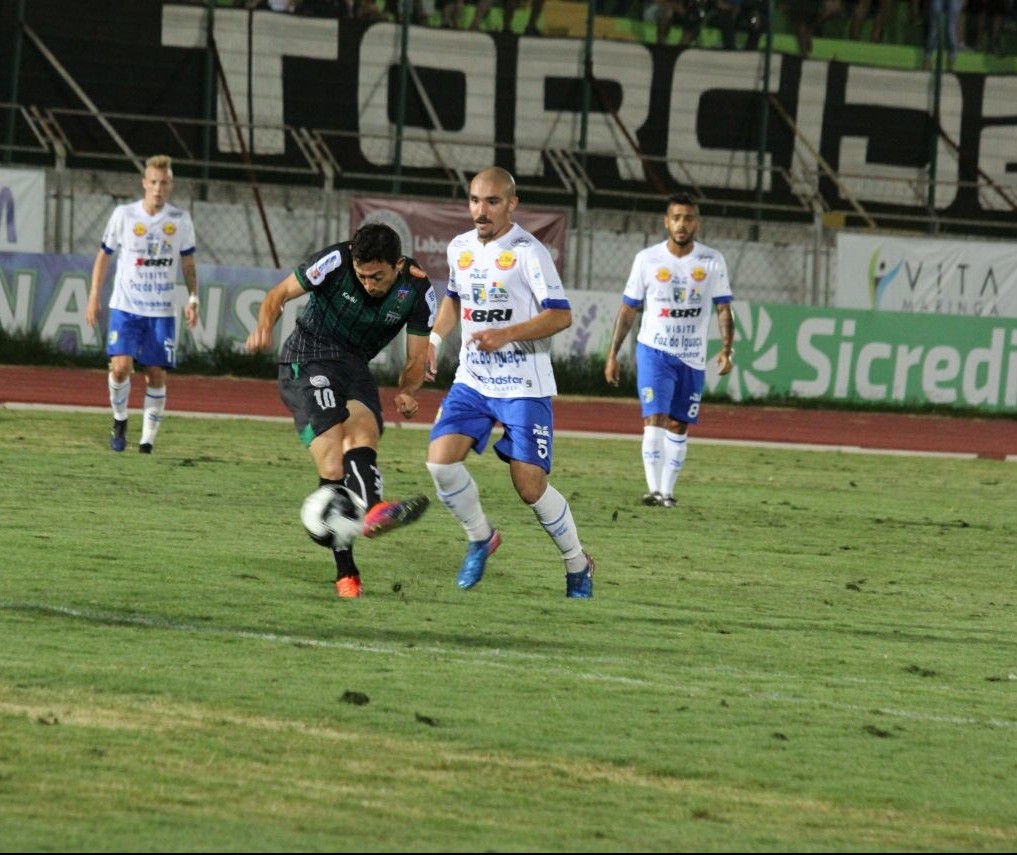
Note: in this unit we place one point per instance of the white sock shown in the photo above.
(155, 403)
(119, 396)
(555, 515)
(675, 449)
(653, 456)
(458, 492)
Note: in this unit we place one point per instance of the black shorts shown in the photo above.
(317, 393)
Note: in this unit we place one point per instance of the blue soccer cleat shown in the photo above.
(118, 436)
(579, 586)
(477, 554)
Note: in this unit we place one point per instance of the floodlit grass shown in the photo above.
(816, 652)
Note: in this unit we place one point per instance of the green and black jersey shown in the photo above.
(341, 317)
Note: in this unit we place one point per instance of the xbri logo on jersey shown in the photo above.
(482, 316)
(680, 313)
(153, 262)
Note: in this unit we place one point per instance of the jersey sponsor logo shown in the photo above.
(465, 260)
(323, 266)
(153, 262)
(663, 275)
(497, 293)
(393, 318)
(169, 228)
(139, 229)
(679, 313)
(319, 381)
(416, 271)
(698, 273)
(482, 316)
(505, 261)
(695, 295)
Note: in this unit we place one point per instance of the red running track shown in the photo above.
(992, 438)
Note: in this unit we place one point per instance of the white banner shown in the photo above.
(926, 275)
(22, 206)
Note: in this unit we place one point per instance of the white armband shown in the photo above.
(435, 339)
(193, 300)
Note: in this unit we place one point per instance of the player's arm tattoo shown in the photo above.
(725, 323)
(190, 271)
(622, 325)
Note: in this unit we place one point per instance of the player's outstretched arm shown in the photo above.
(270, 312)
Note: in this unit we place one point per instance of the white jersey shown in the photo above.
(677, 296)
(503, 282)
(150, 250)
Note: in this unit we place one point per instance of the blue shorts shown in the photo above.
(528, 423)
(667, 385)
(149, 341)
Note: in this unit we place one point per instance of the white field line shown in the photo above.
(495, 658)
(580, 434)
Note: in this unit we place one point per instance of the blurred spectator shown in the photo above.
(880, 14)
(508, 13)
(988, 17)
(659, 13)
(452, 13)
(807, 17)
(735, 16)
(422, 11)
(942, 18)
(690, 15)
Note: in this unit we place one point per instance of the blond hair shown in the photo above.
(160, 161)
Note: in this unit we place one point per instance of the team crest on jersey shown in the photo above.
(646, 393)
(479, 294)
(505, 261)
(402, 294)
(497, 293)
(169, 229)
(679, 294)
(319, 381)
(698, 273)
(139, 229)
(465, 260)
(663, 275)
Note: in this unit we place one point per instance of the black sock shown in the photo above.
(344, 563)
(363, 476)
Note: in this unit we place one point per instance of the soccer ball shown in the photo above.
(333, 516)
